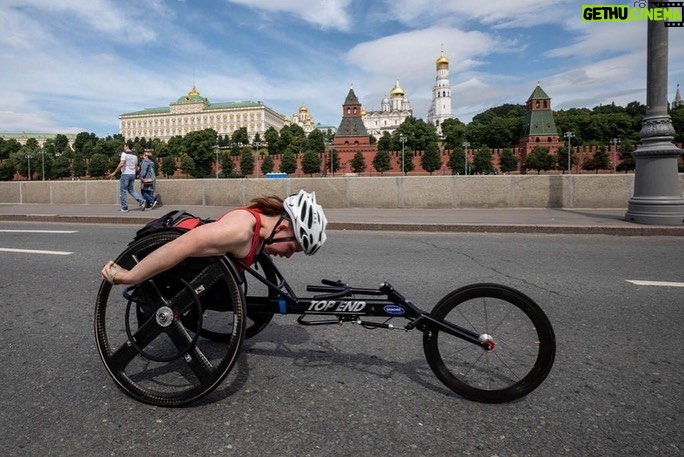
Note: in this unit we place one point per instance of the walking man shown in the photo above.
(128, 166)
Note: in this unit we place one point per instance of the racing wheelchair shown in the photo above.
(173, 339)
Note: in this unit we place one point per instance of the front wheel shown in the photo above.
(519, 348)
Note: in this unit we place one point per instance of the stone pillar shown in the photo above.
(657, 199)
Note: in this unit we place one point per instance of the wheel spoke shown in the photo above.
(184, 300)
(194, 357)
(127, 352)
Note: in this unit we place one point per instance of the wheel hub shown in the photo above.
(164, 316)
(487, 341)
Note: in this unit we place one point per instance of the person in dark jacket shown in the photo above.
(148, 180)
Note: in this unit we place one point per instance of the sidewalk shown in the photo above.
(494, 220)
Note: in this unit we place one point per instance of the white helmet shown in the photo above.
(308, 220)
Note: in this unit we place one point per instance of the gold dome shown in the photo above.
(303, 109)
(442, 61)
(397, 91)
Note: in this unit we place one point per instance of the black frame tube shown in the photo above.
(343, 302)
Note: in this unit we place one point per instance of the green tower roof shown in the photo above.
(538, 94)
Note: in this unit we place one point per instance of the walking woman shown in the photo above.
(148, 180)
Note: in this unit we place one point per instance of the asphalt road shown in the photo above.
(615, 389)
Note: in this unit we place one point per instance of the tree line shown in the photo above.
(498, 127)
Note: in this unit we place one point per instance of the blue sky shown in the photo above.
(75, 65)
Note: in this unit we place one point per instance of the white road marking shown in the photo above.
(35, 251)
(39, 231)
(656, 283)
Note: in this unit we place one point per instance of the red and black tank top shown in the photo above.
(255, 247)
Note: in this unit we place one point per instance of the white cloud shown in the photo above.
(326, 14)
(500, 13)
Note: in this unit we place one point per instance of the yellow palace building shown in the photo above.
(193, 112)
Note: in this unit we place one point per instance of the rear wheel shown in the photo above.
(152, 337)
(519, 351)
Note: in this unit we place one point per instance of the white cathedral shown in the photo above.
(397, 107)
(393, 111)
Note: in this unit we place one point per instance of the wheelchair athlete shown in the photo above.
(277, 227)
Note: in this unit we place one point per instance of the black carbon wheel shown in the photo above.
(148, 335)
(521, 344)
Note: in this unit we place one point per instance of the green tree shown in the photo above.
(316, 141)
(79, 165)
(84, 144)
(8, 147)
(7, 170)
(627, 162)
(386, 142)
(45, 163)
(599, 161)
(175, 146)
(267, 165)
(454, 132)
(497, 127)
(24, 159)
(272, 137)
(97, 166)
(539, 159)
(288, 163)
(418, 134)
(311, 162)
(199, 145)
(247, 161)
(358, 163)
(240, 137)
(677, 117)
(168, 166)
(508, 161)
(226, 164)
(482, 161)
(431, 161)
(407, 164)
(61, 167)
(187, 165)
(457, 161)
(381, 161)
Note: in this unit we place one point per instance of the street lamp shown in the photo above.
(257, 144)
(216, 150)
(614, 142)
(569, 136)
(402, 138)
(28, 157)
(465, 145)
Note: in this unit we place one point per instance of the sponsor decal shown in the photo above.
(334, 306)
(394, 310)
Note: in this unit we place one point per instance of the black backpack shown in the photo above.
(178, 220)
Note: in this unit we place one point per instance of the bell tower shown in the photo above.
(440, 110)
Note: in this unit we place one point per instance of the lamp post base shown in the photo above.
(655, 211)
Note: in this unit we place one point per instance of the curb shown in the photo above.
(636, 230)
